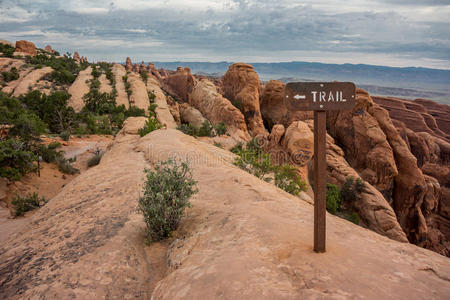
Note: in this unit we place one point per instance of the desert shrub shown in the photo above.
(220, 128)
(96, 158)
(207, 129)
(166, 194)
(7, 50)
(333, 199)
(144, 76)
(27, 203)
(219, 145)
(16, 159)
(150, 125)
(62, 77)
(134, 111)
(151, 96)
(351, 190)
(65, 135)
(99, 103)
(65, 165)
(152, 108)
(13, 74)
(27, 126)
(237, 148)
(127, 85)
(287, 179)
(353, 217)
(188, 129)
(96, 72)
(48, 153)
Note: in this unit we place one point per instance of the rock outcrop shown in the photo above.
(241, 238)
(31, 79)
(275, 109)
(162, 111)
(25, 48)
(128, 65)
(49, 49)
(79, 88)
(76, 56)
(139, 95)
(374, 147)
(105, 85)
(418, 117)
(122, 96)
(217, 109)
(180, 84)
(241, 85)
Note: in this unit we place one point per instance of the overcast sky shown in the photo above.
(382, 32)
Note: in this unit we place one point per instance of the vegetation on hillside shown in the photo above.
(207, 129)
(165, 195)
(255, 161)
(342, 202)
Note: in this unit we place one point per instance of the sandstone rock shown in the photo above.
(122, 97)
(49, 48)
(153, 71)
(163, 114)
(79, 88)
(128, 65)
(365, 144)
(5, 42)
(217, 109)
(181, 83)
(25, 48)
(30, 80)
(174, 108)
(142, 67)
(275, 109)
(76, 56)
(105, 85)
(241, 85)
(191, 115)
(242, 238)
(139, 95)
(299, 143)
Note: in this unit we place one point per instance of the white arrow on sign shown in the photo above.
(298, 97)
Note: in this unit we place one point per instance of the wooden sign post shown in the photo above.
(320, 97)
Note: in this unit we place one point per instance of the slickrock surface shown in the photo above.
(122, 97)
(162, 111)
(241, 84)
(243, 238)
(30, 80)
(139, 96)
(79, 88)
(105, 85)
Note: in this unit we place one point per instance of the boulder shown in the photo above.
(174, 108)
(25, 48)
(218, 109)
(191, 115)
(241, 86)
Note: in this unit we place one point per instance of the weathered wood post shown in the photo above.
(320, 97)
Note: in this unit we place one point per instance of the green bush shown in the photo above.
(27, 203)
(134, 111)
(288, 179)
(65, 166)
(351, 190)
(166, 194)
(16, 159)
(188, 129)
(13, 74)
(354, 218)
(144, 76)
(62, 77)
(65, 135)
(151, 96)
(96, 158)
(333, 199)
(27, 126)
(220, 128)
(7, 50)
(150, 125)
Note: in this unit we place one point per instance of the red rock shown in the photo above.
(142, 67)
(76, 56)
(241, 86)
(48, 48)
(128, 65)
(181, 83)
(26, 47)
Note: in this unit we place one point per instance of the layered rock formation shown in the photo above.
(25, 48)
(191, 115)
(122, 96)
(217, 109)
(241, 85)
(139, 95)
(419, 115)
(30, 80)
(128, 65)
(163, 113)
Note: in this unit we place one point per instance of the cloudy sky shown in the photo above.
(382, 32)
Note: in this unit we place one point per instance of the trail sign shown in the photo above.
(320, 97)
